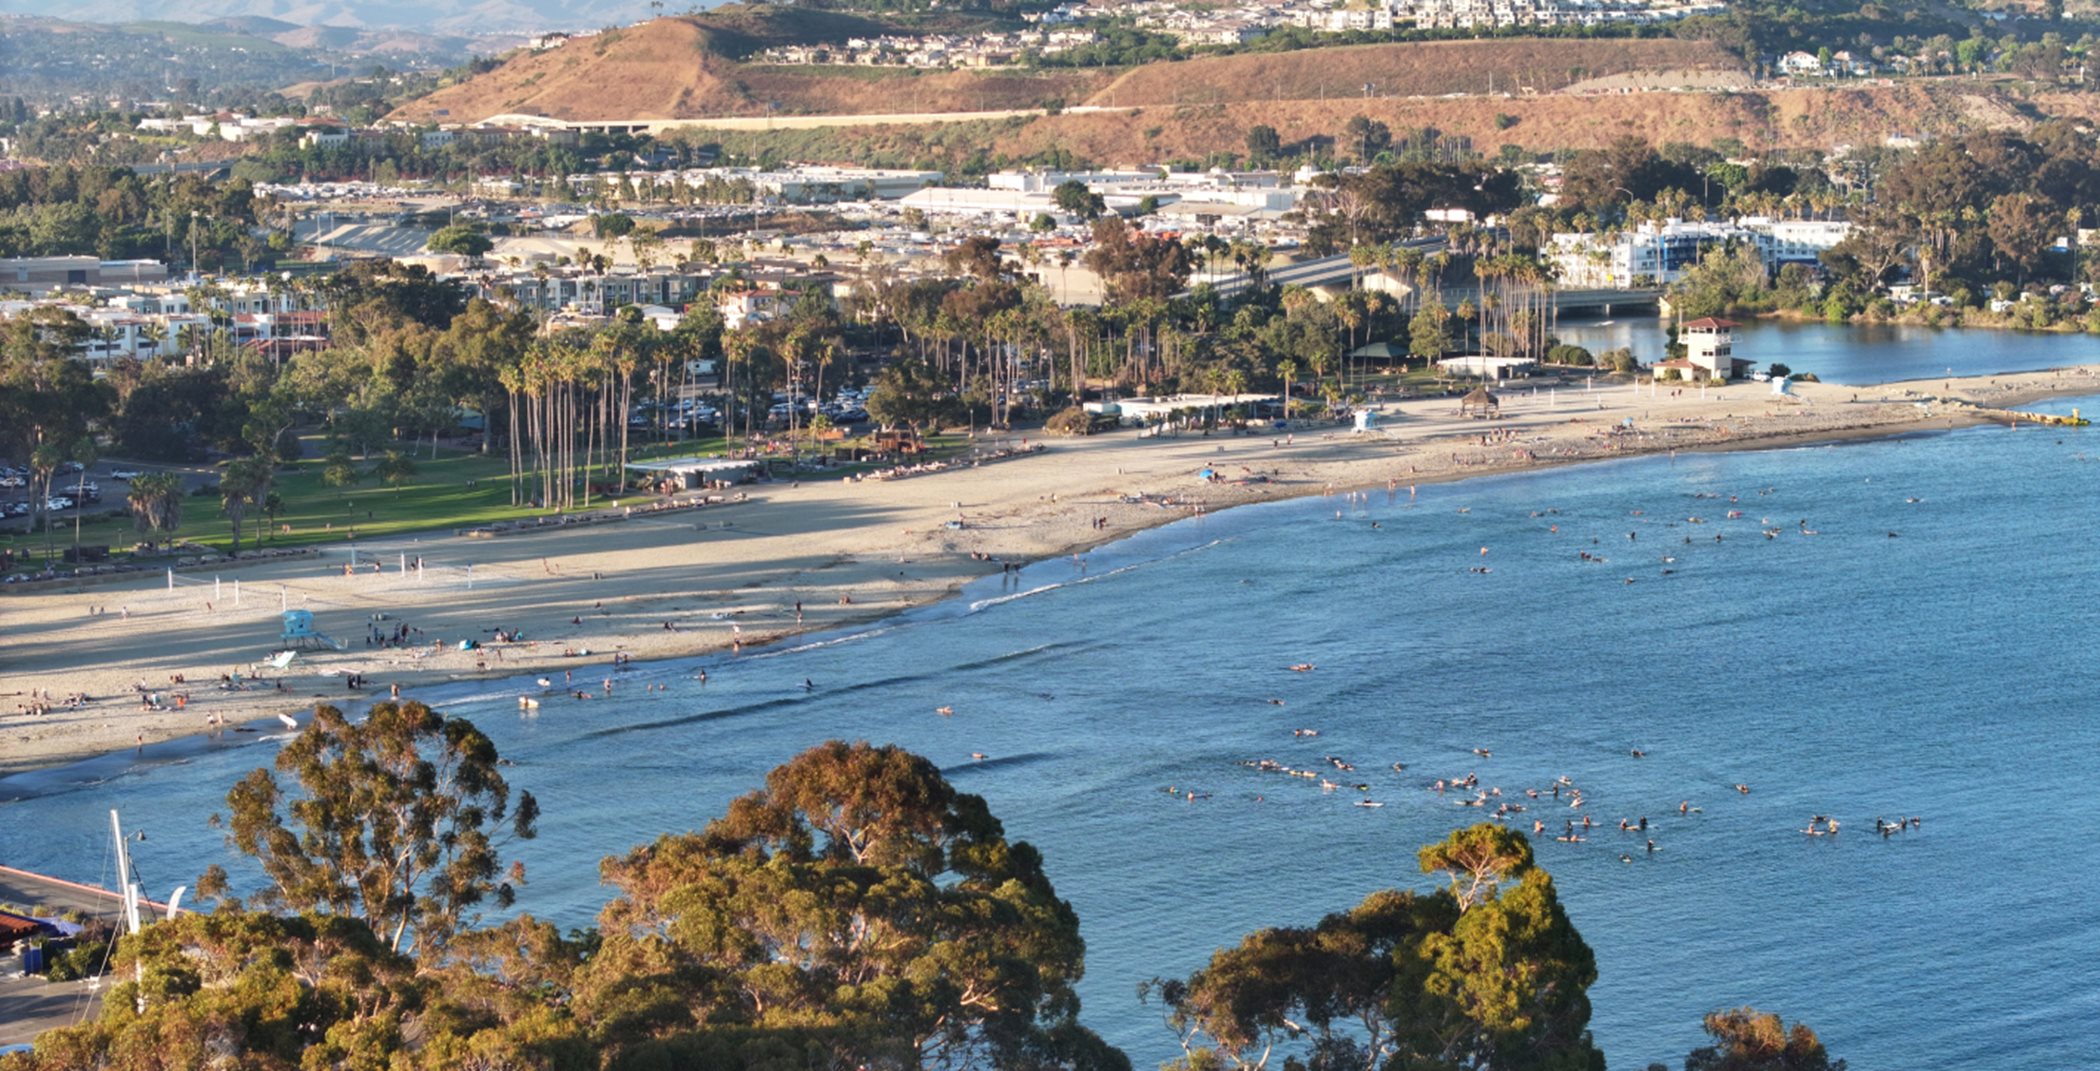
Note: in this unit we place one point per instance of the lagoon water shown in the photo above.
(1946, 671)
(1857, 355)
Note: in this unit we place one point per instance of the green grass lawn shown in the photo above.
(457, 489)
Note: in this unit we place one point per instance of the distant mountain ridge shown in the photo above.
(475, 16)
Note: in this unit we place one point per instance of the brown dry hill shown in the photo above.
(680, 68)
(1791, 118)
(1418, 69)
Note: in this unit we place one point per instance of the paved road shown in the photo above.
(30, 1006)
(791, 122)
(28, 890)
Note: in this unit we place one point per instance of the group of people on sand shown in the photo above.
(40, 703)
(401, 635)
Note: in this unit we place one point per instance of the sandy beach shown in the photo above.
(807, 556)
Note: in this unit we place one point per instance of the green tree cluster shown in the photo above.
(1484, 973)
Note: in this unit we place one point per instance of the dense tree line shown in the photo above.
(114, 213)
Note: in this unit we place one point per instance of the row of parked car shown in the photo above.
(850, 407)
(65, 493)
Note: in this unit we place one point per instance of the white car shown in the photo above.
(56, 503)
(125, 474)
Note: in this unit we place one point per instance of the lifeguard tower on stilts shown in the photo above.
(299, 632)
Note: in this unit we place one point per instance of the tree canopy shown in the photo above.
(1746, 1039)
(1467, 978)
(857, 898)
(397, 821)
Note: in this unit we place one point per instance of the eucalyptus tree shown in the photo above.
(859, 906)
(398, 821)
(1484, 973)
(1745, 1039)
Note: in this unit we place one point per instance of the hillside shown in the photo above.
(50, 59)
(1421, 69)
(465, 16)
(1788, 118)
(682, 67)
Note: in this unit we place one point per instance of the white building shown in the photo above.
(960, 200)
(1786, 241)
(824, 185)
(1709, 347)
(1659, 254)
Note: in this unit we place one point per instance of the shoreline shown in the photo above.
(813, 557)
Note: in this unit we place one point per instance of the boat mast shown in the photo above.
(130, 891)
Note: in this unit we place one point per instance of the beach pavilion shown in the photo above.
(692, 473)
(1480, 403)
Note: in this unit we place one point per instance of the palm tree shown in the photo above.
(156, 502)
(43, 463)
(245, 482)
(1288, 369)
(84, 452)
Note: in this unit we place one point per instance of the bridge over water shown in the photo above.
(1600, 301)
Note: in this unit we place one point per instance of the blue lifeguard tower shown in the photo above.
(299, 631)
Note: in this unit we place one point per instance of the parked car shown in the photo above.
(57, 502)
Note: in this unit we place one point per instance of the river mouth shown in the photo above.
(1858, 355)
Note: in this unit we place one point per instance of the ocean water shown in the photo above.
(1930, 657)
(1858, 355)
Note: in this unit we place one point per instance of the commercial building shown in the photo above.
(1660, 253)
(36, 275)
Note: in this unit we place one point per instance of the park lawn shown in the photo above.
(457, 489)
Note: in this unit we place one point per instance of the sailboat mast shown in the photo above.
(131, 907)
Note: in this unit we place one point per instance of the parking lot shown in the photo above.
(102, 488)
